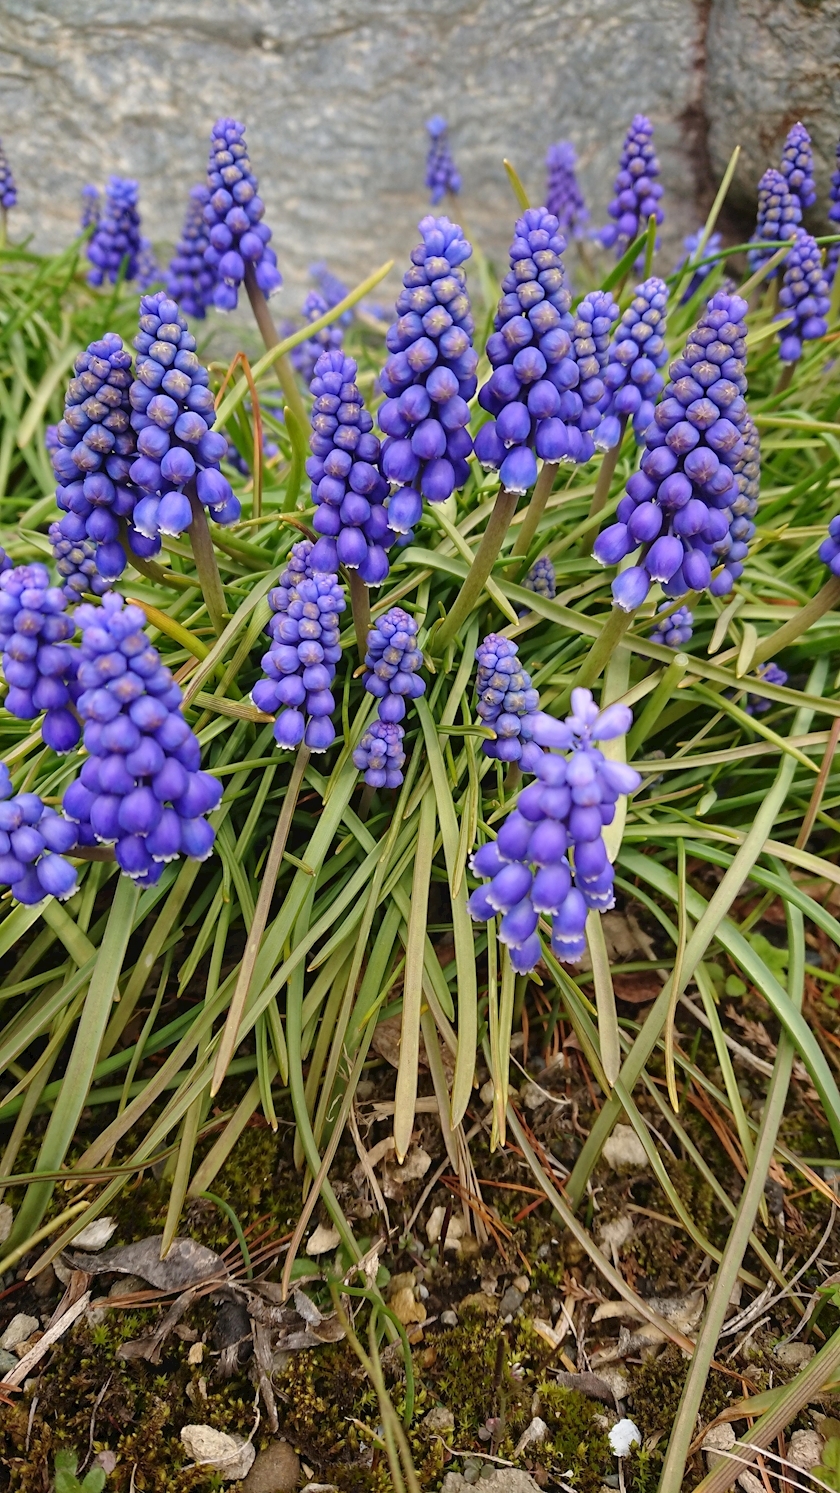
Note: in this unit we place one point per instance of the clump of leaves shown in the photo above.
(828, 1470)
(67, 1480)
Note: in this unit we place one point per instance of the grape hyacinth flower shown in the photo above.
(300, 664)
(637, 352)
(674, 631)
(829, 550)
(771, 674)
(348, 488)
(779, 216)
(507, 702)
(798, 165)
(141, 788)
(541, 578)
(734, 547)
(702, 271)
(191, 279)
(34, 840)
(306, 354)
(38, 664)
(380, 754)
(148, 269)
(531, 392)
(75, 561)
(391, 664)
(563, 196)
(833, 253)
(234, 217)
(637, 192)
(565, 810)
(92, 457)
(91, 206)
(117, 234)
(442, 174)
(804, 293)
(678, 507)
(429, 377)
(8, 190)
(172, 412)
(332, 289)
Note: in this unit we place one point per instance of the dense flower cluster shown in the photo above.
(636, 354)
(117, 233)
(38, 663)
(75, 561)
(563, 196)
(238, 236)
(348, 488)
(564, 811)
(674, 631)
(191, 279)
(679, 505)
(300, 664)
(391, 663)
(91, 206)
(798, 165)
(332, 289)
(771, 674)
(832, 257)
(92, 455)
(698, 275)
(779, 215)
(172, 413)
(829, 550)
(306, 354)
(442, 175)
(637, 192)
(507, 702)
(148, 270)
(541, 578)
(34, 840)
(429, 376)
(141, 788)
(532, 390)
(733, 549)
(380, 754)
(8, 190)
(804, 294)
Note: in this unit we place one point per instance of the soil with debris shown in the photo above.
(522, 1356)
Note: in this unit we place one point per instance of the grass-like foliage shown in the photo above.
(176, 1010)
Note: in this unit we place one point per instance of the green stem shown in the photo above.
(785, 378)
(207, 565)
(535, 509)
(661, 696)
(360, 605)
(605, 476)
(600, 653)
(268, 332)
(485, 558)
(826, 598)
(72, 1096)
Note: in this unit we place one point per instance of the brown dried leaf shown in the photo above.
(188, 1263)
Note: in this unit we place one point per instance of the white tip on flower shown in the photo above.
(623, 1436)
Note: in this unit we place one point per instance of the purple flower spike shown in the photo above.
(637, 352)
(430, 376)
(8, 190)
(771, 674)
(141, 787)
(306, 354)
(507, 701)
(117, 236)
(688, 506)
(804, 293)
(541, 578)
(550, 856)
(380, 756)
(442, 175)
(829, 550)
(38, 663)
(391, 664)
(674, 631)
(91, 207)
(34, 840)
(637, 192)
(332, 289)
(299, 667)
(833, 253)
(779, 216)
(233, 215)
(563, 196)
(348, 488)
(191, 279)
(798, 165)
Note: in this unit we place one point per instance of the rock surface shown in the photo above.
(19, 1329)
(276, 1470)
(503, 1480)
(229, 1455)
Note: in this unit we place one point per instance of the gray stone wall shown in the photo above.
(335, 94)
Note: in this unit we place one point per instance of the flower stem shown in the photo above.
(785, 378)
(605, 477)
(661, 696)
(535, 509)
(206, 565)
(360, 604)
(600, 653)
(826, 598)
(474, 581)
(268, 332)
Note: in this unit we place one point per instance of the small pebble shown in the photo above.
(449, 1319)
(19, 1329)
(510, 1303)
